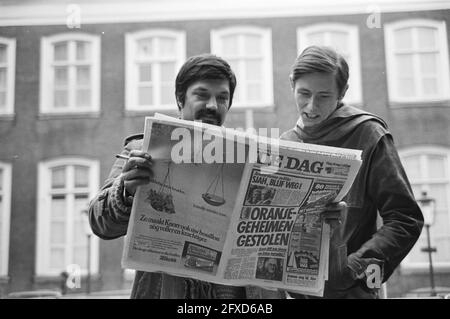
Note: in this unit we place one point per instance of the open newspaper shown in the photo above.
(235, 208)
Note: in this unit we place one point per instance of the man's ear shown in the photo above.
(341, 97)
(179, 104)
(291, 80)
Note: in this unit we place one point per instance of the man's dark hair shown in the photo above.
(321, 59)
(203, 67)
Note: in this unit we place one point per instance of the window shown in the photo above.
(153, 58)
(249, 52)
(70, 73)
(417, 61)
(345, 40)
(65, 187)
(5, 205)
(7, 72)
(428, 169)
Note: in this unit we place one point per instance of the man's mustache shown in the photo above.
(208, 113)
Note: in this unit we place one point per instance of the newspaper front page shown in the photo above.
(278, 239)
(235, 218)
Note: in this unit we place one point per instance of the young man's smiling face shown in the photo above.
(317, 96)
(207, 101)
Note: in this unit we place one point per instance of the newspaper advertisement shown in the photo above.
(226, 217)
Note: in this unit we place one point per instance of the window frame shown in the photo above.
(6, 218)
(10, 77)
(44, 218)
(422, 152)
(131, 72)
(443, 62)
(266, 38)
(354, 49)
(46, 86)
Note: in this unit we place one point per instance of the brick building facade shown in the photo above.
(71, 90)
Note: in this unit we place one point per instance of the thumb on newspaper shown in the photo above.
(334, 212)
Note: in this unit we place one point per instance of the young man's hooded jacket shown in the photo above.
(381, 186)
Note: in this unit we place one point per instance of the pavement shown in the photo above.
(115, 294)
(56, 294)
